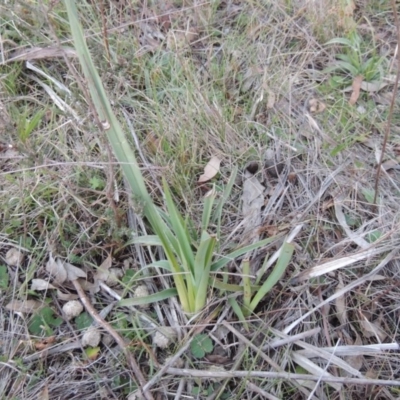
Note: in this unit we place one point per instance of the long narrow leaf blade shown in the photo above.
(202, 268)
(179, 228)
(207, 209)
(152, 298)
(237, 253)
(276, 274)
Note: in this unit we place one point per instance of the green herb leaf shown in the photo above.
(200, 345)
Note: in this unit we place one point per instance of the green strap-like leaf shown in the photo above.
(152, 298)
(276, 274)
(202, 267)
(237, 253)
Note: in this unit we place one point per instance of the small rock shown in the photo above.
(14, 257)
(164, 339)
(142, 291)
(91, 337)
(72, 309)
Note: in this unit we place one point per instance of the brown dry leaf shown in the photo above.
(89, 286)
(152, 143)
(383, 98)
(45, 343)
(24, 306)
(372, 329)
(66, 296)
(390, 164)
(271, 100)
(41, 284)
(316, 106)
(356, 86)
(252, 201)
(151, 37)
(55, 268)
(105, 273)
(44, 393)
(340, 304)
(210, 170)
(356, 361)
(73, 272)
(218, 359)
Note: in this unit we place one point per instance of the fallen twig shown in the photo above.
(120, 341)
(194, 373)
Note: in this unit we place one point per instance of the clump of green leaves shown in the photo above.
(354, 61)
(27, 124)
(44, 322)
(189, 258)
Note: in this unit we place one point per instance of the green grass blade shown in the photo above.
(112, 127)
(229, 287)
(152, 298)
(147, 240)
(343, 41)
(202, 268)
(216, 218)
(238, 311)
(184, 247)
(246, 286)
(276, 274)
(207, 209)
(216, 266)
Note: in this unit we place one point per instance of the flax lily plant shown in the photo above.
(190, 259)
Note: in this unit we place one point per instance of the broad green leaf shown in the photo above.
(369, 194)
(200, 345)
(83, 321)
(43, 322)
(373, 236)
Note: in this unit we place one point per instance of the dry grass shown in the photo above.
(190, 81)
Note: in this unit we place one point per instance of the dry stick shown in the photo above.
(257, 350)
(300, 336)
(105, 325)
(346, 289)
(171, 361)
(261, 392)
(194, 373)
(252, 346)
(105, 36)
(390, 115)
